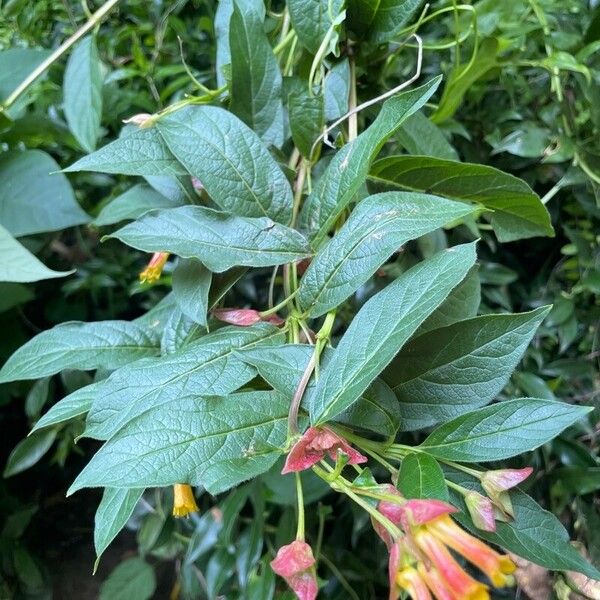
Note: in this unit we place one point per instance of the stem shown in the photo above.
(298, 189)
(353, 118)
(341, 487)
(39, 70)
(300, 496)
(274, 309)
(297, 399)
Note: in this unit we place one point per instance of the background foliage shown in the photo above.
(520, 89)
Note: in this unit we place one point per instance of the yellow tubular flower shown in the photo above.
(497, 567)
(154, 269)
(184, 502)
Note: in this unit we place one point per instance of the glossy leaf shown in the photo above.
(449, 371)
(462, 303)
(191, 284)
(104, 344)
(113, 512)
(132, 204)
(382, 326)
(255, 77)
(377, 228)
(348, 170)
(306, 114)
(133, 578)
(219, 240)
(19, 265)
(418, 135)
(220, 441)
(34, 197)
(207, 366)
(139, 152)
(518, 211)
(82, 89)
(422, 477)
(380, 20)
(230, 160)
(28, 452)
(312, 19)
(502, 430)
(74, 405)
(179, 330)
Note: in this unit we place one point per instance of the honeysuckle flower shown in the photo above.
(184, 502)
(314, 445)
(154, 269)
(197, 184)
(244, 317)
(481, 510)
(420, 560)
(497, 483)
(295, 563)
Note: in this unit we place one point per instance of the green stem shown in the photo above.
(274, 309)
(340, 486)
(41, 68)
(300, 497)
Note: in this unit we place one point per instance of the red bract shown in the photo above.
(244, 317)
(295, 563)
(497, 483)
(314, 445)
(481, 510)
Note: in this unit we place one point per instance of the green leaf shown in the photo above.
(219, 442)
(348, 169)
(205, 367)
(535, 534)
(113, 512)
(337, 90)
(19, 265)
(377, 228)
(221, 24)
(13, 294)
(219, 240)
(306, 114)
(35, 198)
(191, 284)
(133, 578)
(383, 325)
(418, 135)
(380, 20)
(37, 397)
(462, 303)
(179, 331)
(28, 452)
(502, 430)
(179, 188)
(132, 204)
(105, 344)
(450, 371)
(518, 211)
(15, 65)
(255, 77)
(139, 152)
(82, 88)
(74, 405)
(229, 159)
(422, 477)
(282, 367)
(312, 19)
(464, 77)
